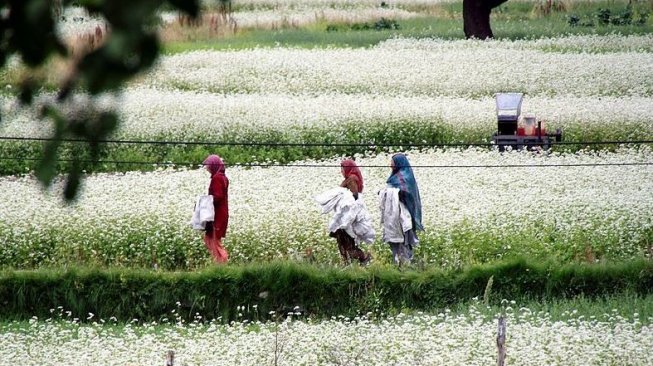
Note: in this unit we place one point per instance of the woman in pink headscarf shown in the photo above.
(353, 180)
(218, 188)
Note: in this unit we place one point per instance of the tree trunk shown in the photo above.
(476, 17)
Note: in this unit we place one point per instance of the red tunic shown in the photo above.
(219, 188)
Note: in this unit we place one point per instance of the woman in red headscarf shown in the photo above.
(346, 244)
(353, 177)
(218, 188)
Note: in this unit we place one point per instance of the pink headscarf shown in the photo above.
(214, 164)
(351, 169)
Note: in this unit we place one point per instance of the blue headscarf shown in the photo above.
(403, 178)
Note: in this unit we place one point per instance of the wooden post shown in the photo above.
(170, 358)
(501, 341)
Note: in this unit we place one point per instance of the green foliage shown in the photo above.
(603, 16)
(314, 291)
(27, 30)
(381, 24)
(607, 17)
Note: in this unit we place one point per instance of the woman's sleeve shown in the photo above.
(216, 189)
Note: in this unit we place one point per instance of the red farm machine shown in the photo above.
(517, 130)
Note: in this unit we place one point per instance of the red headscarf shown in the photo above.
(215, 164)
(350, 168)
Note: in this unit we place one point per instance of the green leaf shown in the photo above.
(118, 45)
(107, 122)
(3, 54)
(46, 168)
(190, 7)
(73, 182)
(26, 92)
(109, 66)
(36, 11)
(30, 31)
(149, 50)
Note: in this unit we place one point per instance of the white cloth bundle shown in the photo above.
(349, 214)
(395, 217)
(203, 213)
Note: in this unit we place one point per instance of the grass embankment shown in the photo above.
(259, 291)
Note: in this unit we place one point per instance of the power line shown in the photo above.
(320, 144)
(266, 165)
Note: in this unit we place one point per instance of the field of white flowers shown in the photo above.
(151, 113)
(405, 67)
(593, 87)
(532, 339)
(472, 214)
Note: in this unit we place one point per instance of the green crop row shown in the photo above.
(133, 243)
(20, 157)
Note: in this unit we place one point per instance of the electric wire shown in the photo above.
(290, 165)
(320, 144)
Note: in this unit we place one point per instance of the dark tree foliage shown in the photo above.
(27, 29)
(476, 17)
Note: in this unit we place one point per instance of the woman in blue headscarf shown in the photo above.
(403, 179)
